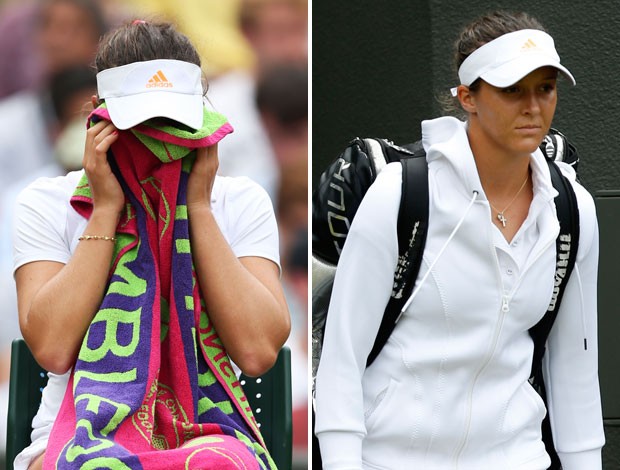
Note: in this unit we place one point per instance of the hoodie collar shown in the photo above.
(445, 138)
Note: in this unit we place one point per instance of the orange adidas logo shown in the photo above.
(529, 46)
(159, 80)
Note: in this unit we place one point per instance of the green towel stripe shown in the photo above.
(166, 151)
(181, 212)
(225, 406)
(130, 285)
(182, 245)
(122, 241)
(83, 189)
(207, 379)
(189, 303)
(260, 450)
(205, 404)
(108, 377)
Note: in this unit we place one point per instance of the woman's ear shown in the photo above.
(466, 98)
(95, 101)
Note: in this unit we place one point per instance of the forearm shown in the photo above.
(249, 315)
(56, 320)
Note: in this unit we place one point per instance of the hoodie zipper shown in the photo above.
(504, 310)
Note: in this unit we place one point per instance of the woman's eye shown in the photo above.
(511, 89)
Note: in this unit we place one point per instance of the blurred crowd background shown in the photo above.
(255, 58)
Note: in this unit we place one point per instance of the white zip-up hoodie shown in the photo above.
(450, 388)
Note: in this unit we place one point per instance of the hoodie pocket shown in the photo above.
(380, 406)
(524, 415)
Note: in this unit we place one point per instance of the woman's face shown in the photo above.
(515, 119)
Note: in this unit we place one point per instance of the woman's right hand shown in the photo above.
(106, 190)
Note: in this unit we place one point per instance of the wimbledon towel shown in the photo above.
(153, 387)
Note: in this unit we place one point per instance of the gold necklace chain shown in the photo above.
(500, 214)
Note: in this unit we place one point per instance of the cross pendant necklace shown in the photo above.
(502, 219)
(500, 214)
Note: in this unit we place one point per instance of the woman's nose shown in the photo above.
(531, 102)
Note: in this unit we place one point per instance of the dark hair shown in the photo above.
(482, 30)
(140, 41)
(488, 27)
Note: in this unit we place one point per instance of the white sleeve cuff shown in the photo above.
(341, 450)
(590, 459)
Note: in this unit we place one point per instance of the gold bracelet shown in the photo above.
(97, 237)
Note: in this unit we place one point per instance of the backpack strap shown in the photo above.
(412, 227)
(567, 244)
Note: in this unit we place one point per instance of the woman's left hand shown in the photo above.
(202, 176)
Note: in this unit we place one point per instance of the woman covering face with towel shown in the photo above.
(142, 277)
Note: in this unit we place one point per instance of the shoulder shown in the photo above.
(246, 217)
(43, 220)
(50, 191)
(377, 214)
(240, 205)
(238, 192)
(387, 187)
(45, 202)
(383, 195)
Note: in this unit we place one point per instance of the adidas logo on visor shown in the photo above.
(529, 46)
(159, 80)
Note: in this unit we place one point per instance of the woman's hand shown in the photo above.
(202, 176)
(106, 190)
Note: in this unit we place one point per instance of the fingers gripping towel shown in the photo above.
(153, 387)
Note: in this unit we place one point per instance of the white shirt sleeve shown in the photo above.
(362, 287)
(247, 219)
(40, 223)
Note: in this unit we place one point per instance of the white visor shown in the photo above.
(140, 91)
(507, 59)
